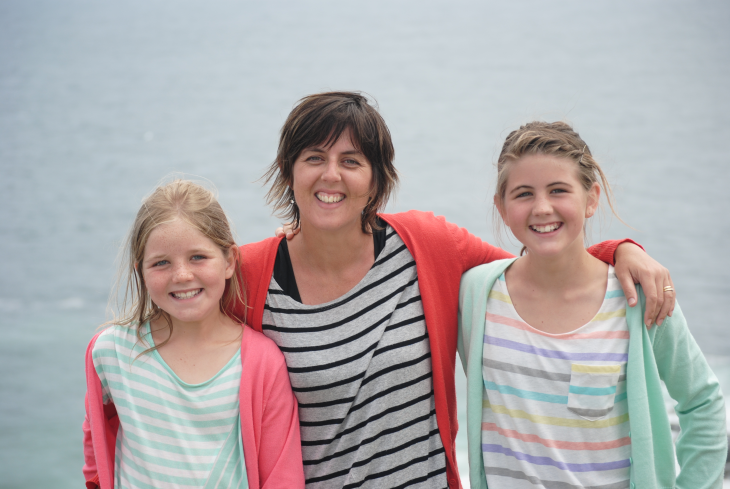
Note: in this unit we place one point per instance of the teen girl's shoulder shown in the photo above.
(488, 272)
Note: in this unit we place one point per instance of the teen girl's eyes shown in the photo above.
(523, 194)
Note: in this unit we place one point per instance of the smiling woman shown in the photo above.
(364, 305)
(319, 122)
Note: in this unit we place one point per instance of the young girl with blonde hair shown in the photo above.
(180, 393)
(564, 382)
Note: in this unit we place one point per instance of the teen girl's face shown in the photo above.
(185, 272)
(332, 185)
(545, 205)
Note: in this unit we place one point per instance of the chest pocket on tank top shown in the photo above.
(592, 389)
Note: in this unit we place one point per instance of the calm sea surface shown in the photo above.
(99, 101)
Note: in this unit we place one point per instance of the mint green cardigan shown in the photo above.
(667, 353)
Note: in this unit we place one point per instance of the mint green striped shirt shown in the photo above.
(171, 433)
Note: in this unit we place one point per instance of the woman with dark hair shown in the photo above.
(364, 305)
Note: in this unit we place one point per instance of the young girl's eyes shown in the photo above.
(160, 263)
(197, 257)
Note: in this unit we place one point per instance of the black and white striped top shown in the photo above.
(360, 367)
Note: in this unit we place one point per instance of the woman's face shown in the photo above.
(332, 185)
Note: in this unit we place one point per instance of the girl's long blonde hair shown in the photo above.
(197, 206)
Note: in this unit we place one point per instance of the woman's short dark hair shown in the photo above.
(321, 119)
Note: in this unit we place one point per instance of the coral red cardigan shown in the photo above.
(443, 252)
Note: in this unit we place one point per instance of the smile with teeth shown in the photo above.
(546, 228)
(186, 295)
(329, 198)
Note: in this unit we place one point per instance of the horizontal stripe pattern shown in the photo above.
(554, 412)
(171, 434)
(360, 367)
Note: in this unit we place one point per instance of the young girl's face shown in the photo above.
(185, 272)
(545, 205)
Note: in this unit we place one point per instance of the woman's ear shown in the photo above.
(594, 196)
(231, 261)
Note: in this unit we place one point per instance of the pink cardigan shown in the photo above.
(269, 420)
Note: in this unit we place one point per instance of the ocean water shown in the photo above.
(99, 101)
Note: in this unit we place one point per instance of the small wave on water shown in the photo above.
(71, 303)
(9, 305)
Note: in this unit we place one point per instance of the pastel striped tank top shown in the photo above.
(171, 434)
(554, 412)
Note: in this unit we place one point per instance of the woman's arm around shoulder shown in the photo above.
(426, 230)
(702, 444)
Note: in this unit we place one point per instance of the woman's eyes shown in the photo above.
(320, 159)
(558, 191)
(523, 194)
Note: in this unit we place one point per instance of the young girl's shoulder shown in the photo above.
(117, 338)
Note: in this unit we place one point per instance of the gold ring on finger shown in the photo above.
(668, 288)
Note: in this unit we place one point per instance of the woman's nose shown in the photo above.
(331, 171)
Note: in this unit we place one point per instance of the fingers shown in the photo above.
(667, 306)
(673, 297)
(652, 297)
(627, 284)
(287, 230)
(290, 233)
(669, 300)
(656, 316)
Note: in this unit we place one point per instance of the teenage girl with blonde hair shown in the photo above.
(180, 393)
(564, 383)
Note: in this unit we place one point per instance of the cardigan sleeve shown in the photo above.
(91, 476)
(702, 444)
(280, 452)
